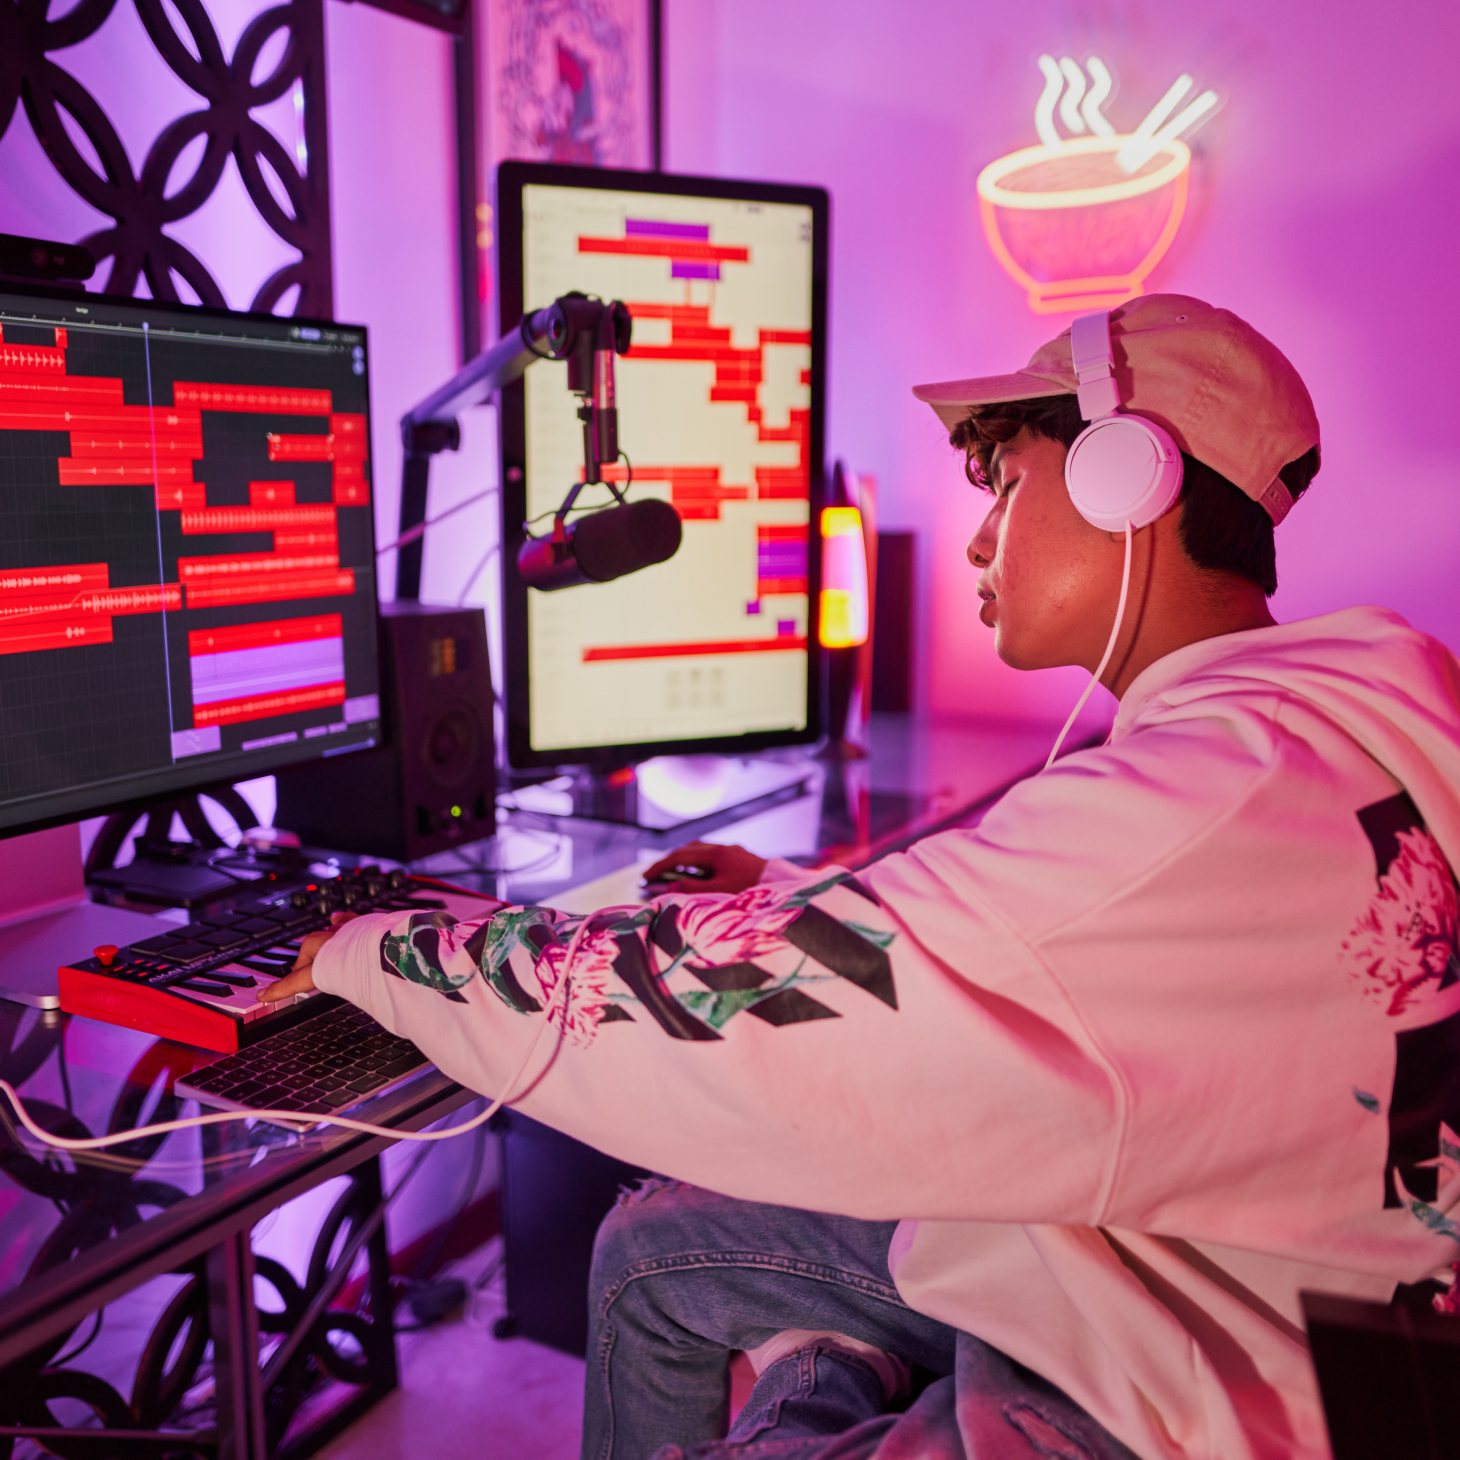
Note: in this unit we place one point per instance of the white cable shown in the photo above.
(293, 1117)
(1105, 659)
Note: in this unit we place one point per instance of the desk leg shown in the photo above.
(306, 1353)
(385, 1374)
(235, 1328)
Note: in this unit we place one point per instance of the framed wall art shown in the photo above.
(574, 81)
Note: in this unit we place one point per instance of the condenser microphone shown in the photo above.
(601, 546)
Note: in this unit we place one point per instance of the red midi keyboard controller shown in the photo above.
(200, 984)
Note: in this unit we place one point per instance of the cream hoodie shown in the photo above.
(1174, 1034)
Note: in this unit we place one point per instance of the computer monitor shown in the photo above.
(187, 554)
(721, 410)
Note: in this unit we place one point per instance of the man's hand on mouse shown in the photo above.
(705, 867)
(301, 979)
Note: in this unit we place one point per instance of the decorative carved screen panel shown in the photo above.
(281, 50)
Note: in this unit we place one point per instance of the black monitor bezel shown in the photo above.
(512, 177)
(169, 785)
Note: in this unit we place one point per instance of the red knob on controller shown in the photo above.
(106, 955)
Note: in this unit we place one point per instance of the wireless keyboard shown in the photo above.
(200, 983)
(333, 1059)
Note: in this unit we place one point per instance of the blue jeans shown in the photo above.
(682, 1277)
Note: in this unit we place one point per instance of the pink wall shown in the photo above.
(393, 161)
(1326, 203)
(392, 151)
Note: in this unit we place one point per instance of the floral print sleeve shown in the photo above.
(688, 963)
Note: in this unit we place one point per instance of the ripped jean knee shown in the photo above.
(652, 1217)
(648, 1186)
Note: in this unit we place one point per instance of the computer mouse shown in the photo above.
(677, 873)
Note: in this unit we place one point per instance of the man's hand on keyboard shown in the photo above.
(301, 980)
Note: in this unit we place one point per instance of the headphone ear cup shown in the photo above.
(1123, 469)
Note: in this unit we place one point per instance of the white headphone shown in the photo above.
(1122, 468)
(1123, 471)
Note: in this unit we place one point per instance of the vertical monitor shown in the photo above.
(720, 412)
(187, 564)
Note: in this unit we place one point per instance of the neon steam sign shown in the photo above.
(1080, 220)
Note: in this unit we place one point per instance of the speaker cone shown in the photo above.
(449, 746)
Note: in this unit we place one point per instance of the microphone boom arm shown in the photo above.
(480, 379)
(585, 332)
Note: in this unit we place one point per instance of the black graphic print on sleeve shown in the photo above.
(1403, 952)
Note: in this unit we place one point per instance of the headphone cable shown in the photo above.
(1105, 659)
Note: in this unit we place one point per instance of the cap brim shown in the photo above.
(952, 398)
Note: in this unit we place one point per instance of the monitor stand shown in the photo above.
(671, 792)
(181, 874)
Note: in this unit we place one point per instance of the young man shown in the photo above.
(1067, 1109)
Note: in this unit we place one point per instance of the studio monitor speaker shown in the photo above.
(433, 785)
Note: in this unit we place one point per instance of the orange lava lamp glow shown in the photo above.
(843, 578)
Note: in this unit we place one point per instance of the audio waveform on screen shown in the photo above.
(345, 447)
(65, 607)
(304, 562)
(253, 399)
(110, 441)
(256, 670)
(780, 559)
(687, 246)
(241, 672)
(697, 491)
(287, 522)
(117, 444)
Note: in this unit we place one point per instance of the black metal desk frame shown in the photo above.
(207, 1237)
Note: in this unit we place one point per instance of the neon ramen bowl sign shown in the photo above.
(1080, 222)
